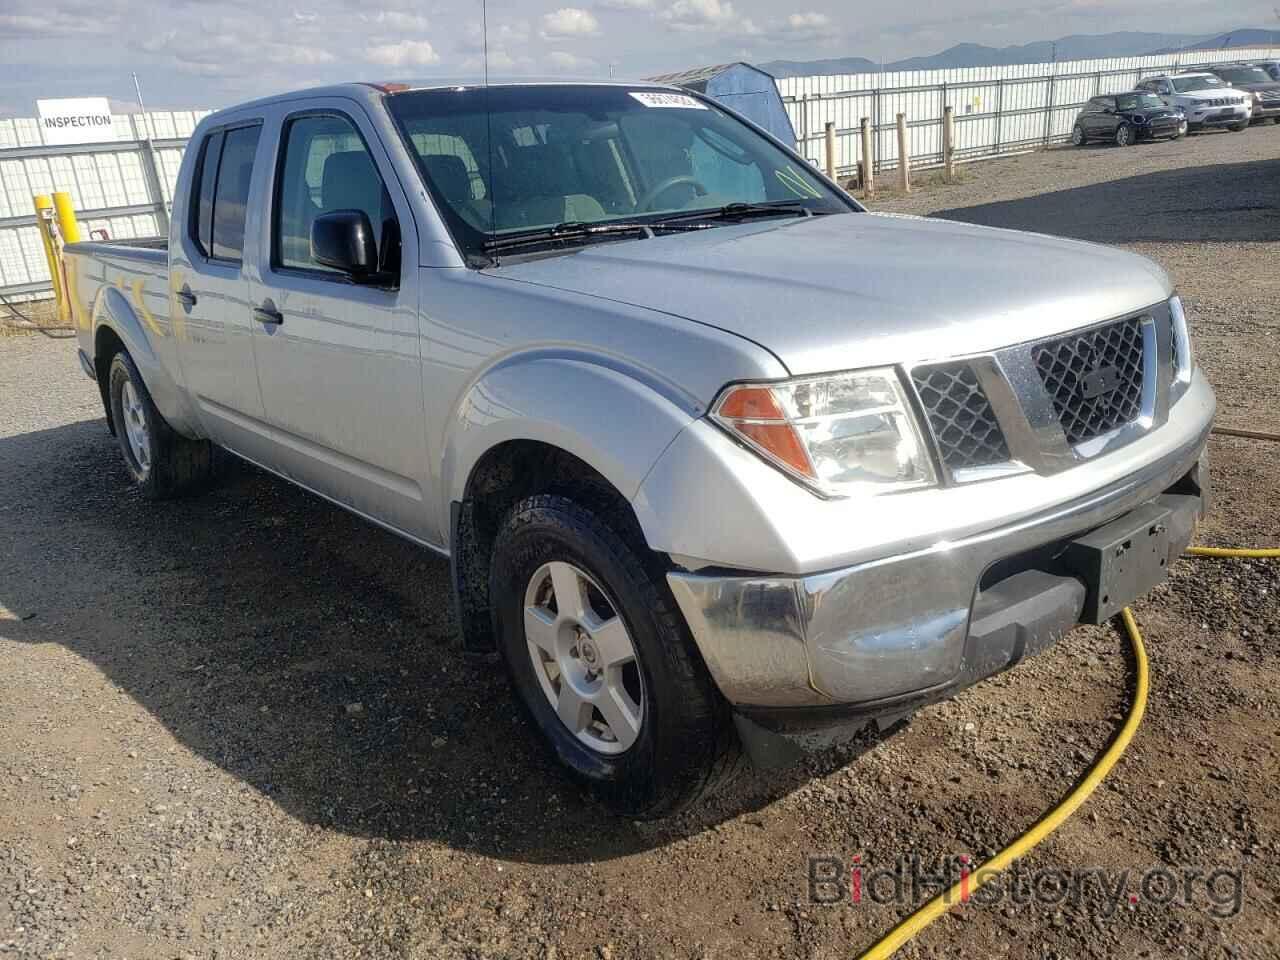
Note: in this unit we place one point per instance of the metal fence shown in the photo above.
(997, 110)
(123, 186)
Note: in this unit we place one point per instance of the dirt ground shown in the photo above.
(239, 726)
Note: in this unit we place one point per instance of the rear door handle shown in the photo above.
(267, 313)
(187, 297)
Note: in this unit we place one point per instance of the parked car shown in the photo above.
(1272, 67)
(1126, 118)
(720, 460)
(1255, 81)
(1205, 98)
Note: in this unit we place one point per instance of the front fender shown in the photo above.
(115, 311)
(608, 417)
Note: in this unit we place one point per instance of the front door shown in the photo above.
(338, 360)
(210, 305)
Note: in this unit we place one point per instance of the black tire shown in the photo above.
(1125, 136)
(1239, 127)
(1077, 136)
(177, 464)
(685, 746)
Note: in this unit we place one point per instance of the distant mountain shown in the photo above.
(1127, 44)
(1244, 37)
(813, 68)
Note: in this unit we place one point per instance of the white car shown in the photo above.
(1205, 99)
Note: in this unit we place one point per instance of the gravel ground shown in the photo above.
(238, 726)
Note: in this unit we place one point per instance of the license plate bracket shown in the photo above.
(1121, 561)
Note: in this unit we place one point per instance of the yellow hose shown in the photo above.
(1233, 552)
(939, 905)
(1050, 822)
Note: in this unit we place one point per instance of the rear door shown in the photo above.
(208, 286)
(338, 361)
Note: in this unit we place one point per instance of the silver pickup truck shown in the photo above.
(723, 463)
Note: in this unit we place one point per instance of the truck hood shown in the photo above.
(856, 290)
(1198, 96)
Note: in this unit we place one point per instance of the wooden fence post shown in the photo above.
(868, 160)
(904, 156)
(831, 149)
(948, 144)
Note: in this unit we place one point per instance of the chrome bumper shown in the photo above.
(893, 631)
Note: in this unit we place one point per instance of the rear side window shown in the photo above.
(218, 210)
(202, 235)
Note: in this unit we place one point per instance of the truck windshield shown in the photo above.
(1244, 75)
(1191, 84)
(1138, 101)
(509, 160)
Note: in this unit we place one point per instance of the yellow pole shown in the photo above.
(44, 223)
(68, 225)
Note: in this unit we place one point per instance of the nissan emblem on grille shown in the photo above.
(1094, 378)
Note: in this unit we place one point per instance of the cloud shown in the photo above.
(625, 4)
(567, 62)
(709, 15)
(570, 22)
(406, 53)
(397, 21)
(804, 26)
(502, 34)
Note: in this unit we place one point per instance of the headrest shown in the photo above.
(450, 175)
(350, 182)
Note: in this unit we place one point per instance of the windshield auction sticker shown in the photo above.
(652, 99)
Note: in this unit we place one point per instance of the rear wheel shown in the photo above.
(161, 461)
(1124, 135)
(1077, 135)
(603, 661)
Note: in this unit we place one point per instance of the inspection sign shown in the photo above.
(75, 120)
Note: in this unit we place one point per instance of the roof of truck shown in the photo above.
(372, 90)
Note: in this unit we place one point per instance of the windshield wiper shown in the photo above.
(743, 211)
(566, 232)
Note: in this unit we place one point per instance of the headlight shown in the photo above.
(841, 434)
(1181, 337)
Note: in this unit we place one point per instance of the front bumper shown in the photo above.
(1269, 111)
(889, 635)
(1218, 116)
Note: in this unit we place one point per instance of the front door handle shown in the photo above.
(267, 313)
(187, 297)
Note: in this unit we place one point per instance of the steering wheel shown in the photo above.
(645, 204)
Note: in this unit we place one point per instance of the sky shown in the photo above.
(212, 53)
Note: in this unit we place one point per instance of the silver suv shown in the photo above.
(1204, 98)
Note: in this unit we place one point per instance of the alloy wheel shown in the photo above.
(135, 426)
(583, 657)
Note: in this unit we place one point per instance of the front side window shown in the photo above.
(508, 160)
(326, 167)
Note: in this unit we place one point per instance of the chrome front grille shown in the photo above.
(960, 415)
(1094, 378)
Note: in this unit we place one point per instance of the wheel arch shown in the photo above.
(117, 326)
(585, 424)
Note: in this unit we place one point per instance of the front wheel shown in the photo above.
(1239, 127)
(1077, 135)
(1124, 135)
(603, 662)
(161, 461)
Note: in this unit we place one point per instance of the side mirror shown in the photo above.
(344, 240)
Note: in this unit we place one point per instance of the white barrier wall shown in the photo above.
(122, 186)
(997, 110)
